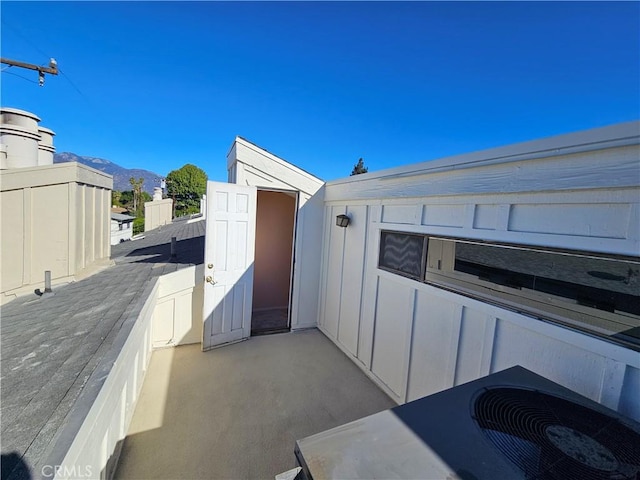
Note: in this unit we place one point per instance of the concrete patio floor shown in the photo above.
(236, 412)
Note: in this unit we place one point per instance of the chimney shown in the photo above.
(20, 137)
(45, 146)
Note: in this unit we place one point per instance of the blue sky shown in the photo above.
(156, 85)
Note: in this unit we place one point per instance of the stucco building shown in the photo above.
(53, 217)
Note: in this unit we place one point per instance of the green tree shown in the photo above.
(359, 168)
(187, 185)
(136, 187)
(126, 199)
(115, 198)
(138, 226)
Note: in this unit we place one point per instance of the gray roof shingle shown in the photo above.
(50, 346)
(120, 217)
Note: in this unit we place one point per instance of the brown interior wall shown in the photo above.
(274, 242)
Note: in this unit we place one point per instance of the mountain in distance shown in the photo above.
(120, 174)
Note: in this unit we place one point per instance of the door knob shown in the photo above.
(209, 279)
(210, 265)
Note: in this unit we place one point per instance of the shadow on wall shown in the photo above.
(14, 467)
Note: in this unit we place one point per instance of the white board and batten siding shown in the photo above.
(578, 192)
(250, 165)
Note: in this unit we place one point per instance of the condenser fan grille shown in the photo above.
(551, 438)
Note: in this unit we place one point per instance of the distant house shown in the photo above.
(119, 210)
(121, 228)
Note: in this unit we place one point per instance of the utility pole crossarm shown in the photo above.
(51, 69)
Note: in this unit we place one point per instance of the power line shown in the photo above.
(25, 38)
(20, 76)
(71, 83)
(52, 69)
(93, 106)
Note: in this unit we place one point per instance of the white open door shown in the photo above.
(228, 263)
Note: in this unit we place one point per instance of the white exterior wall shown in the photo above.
(578, 192)
(250, 165)
(118, 235)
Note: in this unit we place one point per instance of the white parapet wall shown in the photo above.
(578, 192)
(55, 218)
(89, 446)
(157, 213)
(178, 315)
(168, 313)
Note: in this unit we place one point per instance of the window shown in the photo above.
(589, 292)
(592, 293)
(403, 253)
(604, 284)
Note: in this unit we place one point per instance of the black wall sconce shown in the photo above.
(342, 220)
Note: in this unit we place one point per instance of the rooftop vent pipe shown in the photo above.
(19, 133)
(45, 146)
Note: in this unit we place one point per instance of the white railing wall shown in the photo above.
(158, 213)
(89, 446)
(178, 312)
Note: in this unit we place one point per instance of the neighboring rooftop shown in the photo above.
(51, 345)
(121, 217)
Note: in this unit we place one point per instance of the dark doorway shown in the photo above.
(275, 224)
